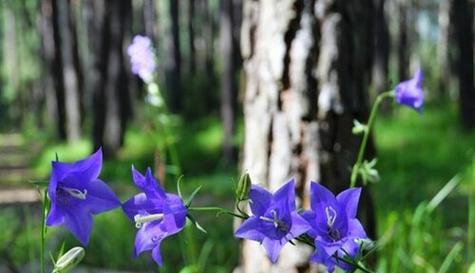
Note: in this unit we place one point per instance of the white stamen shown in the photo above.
(141, 219)
(75, 193)
(331, 216)
(274, 220)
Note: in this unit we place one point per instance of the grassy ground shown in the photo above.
(417, 155)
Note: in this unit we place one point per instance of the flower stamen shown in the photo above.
(331, 216)
(76, 193)
(141, 219)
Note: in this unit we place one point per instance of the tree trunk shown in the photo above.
(464, 35)
(228, 82)
(150, 20)
(444, 46)
(174, 63)
(191, 36)
(70, 76)
(403, 42)
(308, 66)
(381, 49)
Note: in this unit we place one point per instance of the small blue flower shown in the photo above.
(142, 58)
(335, 229)
(76, 193)
(156, 214)
(410, 92)
(274, 221)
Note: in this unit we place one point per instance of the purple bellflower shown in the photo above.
(274, 221)
(142, 58)
(76, 193)
(410, 92)
(336, 230)
(156, 214)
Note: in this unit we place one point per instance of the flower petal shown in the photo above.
(249, 229)
(320, 256)
(157, 257)
(55, 216)
(86, 170)
(299, 225)
(311, 219)
(148, 184)
(273, 248)
(175, 214)
(260, 200)
(356, 230)
(348, 200)
(139, 204)
(148, 236)
(100, 197)
(321, 197)
(286, 195)
(79, 221)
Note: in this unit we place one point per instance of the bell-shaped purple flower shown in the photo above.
(76, 193)
(410, 92)
(274, 221)
(334, 225)
(142, 58)
(156, 214)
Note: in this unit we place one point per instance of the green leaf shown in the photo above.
(192, 196)
(195, 223)
(178, 186)
(358, 127)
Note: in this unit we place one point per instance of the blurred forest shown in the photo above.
(267, 86)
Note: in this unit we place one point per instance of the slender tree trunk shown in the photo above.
(174, 66)
(191, 36)
(444, 46)
(70, 76)
(464, 36)
(308, 65)
(228, 82)
(381, 52)
(150, 20)
(403, 42)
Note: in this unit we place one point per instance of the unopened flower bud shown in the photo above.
(243, 187)
(69, 260)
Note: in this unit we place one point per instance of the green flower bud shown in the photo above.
(69, 260)
(243, 187)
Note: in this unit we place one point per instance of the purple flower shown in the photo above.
(274, 221)
(334, 225)
(410, 92)
(156, 214)
(142, 58)
(76, 193)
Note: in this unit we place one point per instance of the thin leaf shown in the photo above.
(195, 223)
(442, 194)
(450, 257)
(192, 196)
(178, 186)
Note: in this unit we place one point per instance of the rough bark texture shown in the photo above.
(464, 35)
(307, 67)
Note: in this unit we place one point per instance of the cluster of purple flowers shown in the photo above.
(142, 58)
(76, 193)
(331, 223)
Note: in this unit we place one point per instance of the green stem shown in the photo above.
(367, 131)
(218, 210)
(44, 212)
(471, 226)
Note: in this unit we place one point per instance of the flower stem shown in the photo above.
(219, 211)
(367, 131)
(44, 212)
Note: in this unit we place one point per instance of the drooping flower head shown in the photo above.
(410, 92)
(274, 221)
(76, 193)
(335, 228)
(142, 58)
(156, 214)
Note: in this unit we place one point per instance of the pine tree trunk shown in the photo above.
(307, 65)
(444, 46)
(228, 83)
(174, 66)
(381, 49)
(403, 41)
(70, 76)
(464, 35)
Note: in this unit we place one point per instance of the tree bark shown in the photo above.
(308, 65)
(228, 82)
(191, 37)
(444, 45)
(174, 63)
(464, 35)
(403, 41)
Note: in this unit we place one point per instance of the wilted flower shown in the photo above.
(410, 92)
(274, 221)
(142, 58)
(76, 193)
(156, 214)
(334, 225)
